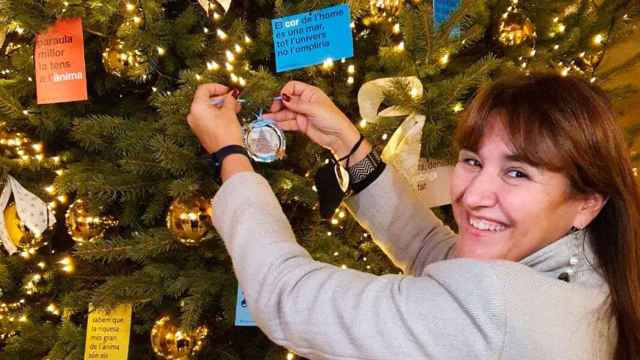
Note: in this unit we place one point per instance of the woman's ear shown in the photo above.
(589, 208)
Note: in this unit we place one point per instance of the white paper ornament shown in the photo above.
(33, 212)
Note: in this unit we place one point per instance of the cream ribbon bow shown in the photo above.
(33, 212)
(226, 4)
(430, 178)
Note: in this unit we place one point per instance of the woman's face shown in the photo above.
(505, 208)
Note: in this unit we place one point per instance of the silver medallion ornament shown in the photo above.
(265, 142)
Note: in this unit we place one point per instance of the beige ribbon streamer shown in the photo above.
(33, 212)
(429, 178)
(226, 4)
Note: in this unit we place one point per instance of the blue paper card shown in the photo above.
(310, 38)
(441, 11)
(243, 316)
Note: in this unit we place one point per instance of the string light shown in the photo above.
(400, 46)
(396, 28)
(161, 51)
(598, 39)
(328, 64)
(230, 57)
(212, 65)
(221, 34)
(363, 123)
(444, 59)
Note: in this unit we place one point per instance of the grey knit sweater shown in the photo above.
(439, 309)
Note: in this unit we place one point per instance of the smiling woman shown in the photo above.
(546, 265)
(571, 171)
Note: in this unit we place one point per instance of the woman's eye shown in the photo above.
(517, 174)
(472, 162)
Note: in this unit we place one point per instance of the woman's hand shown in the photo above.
(309, 110)
(214, 126)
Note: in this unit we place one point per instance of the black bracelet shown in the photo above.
(365, 172)
(219, 156)
(353, 151)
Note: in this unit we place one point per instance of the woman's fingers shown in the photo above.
(296, 88)
(282, 115)
(206, 91)
(288, 125)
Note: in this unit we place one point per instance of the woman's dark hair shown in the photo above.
(566, 124)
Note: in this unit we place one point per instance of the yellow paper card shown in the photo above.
(108, 333)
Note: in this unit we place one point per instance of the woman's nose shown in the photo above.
(481, 190)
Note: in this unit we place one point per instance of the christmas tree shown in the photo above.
(129, 184)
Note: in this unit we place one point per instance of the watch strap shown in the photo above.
(219, 156)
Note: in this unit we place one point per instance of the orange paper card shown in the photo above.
(61, 75)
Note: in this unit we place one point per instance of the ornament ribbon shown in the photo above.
(33, 212)
(226, 4)
(430, 178)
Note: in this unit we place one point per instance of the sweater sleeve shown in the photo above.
(324, 312)
(404, 228)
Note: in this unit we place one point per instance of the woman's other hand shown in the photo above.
(309, 110)
(215, 126)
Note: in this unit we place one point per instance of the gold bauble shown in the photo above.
(130, 64)
(84, 226)
(515, 28)
(170, 342)
(190, 220)
(19, 234)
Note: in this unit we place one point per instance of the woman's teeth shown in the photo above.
(485, 225)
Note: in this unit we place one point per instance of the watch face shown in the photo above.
(264, 141)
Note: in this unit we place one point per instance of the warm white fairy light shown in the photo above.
(67, 264)
(556, 47)
(314, 188)
(221, 34)
(137, 20)
(230, 57)
(457, 107)
(344, 266)
(50, 189)
(329, 233)
(396, 28)
(216, 16)
(336, 253)
(564, 71)
(363, 123)
(205, 30)
(161, 50)
(350, 80)
(228, 66)
(400, 46)
(234, 78)
(238, 48)
(598, 39)
(385, 137)
(212, 65)
(130, 7)
(328, 64)
(444, 59)
(247, 39)
(242, 81)
(290, 356)
(592, 80)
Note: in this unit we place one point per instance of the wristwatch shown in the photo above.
(219, 156)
